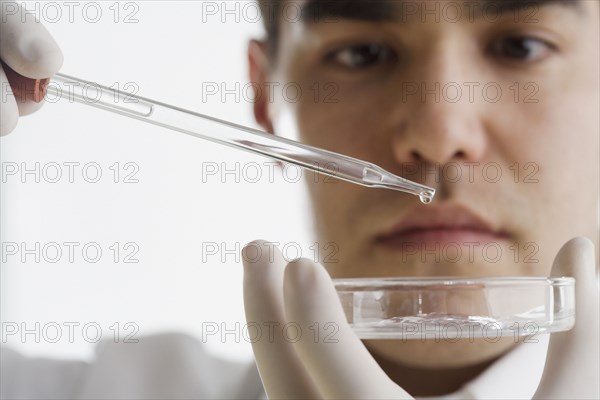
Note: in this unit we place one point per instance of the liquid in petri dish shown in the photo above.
(434, 325)
(441, 326)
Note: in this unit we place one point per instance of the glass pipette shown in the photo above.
(230, 134)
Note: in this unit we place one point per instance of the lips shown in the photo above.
(440, 224)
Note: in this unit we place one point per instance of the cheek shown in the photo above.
(338, 122)
(555, 145)
(342, 117)
(566, 151)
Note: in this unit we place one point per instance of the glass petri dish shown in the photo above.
(451, 308)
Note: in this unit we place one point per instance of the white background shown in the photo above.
(169, 53)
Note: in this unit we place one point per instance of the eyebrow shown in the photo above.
(373, 10)
(313, 11)
(514, 5)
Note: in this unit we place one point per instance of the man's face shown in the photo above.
(493, 104)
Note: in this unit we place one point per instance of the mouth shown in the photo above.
(440, 225)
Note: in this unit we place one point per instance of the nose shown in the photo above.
(441, 120)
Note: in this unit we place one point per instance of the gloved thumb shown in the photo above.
(572, 369)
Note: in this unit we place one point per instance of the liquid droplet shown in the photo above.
(425, 198)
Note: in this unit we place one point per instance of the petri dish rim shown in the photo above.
(354, 284)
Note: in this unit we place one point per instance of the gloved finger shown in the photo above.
(281, 370)
(28, 106)
(25, 44)
(28, 92)
(339, 363)
(9, 111)
(572, 363)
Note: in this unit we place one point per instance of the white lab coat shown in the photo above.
(176, 366)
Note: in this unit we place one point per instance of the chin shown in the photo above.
(441, 355)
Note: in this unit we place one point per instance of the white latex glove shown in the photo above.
(302, 293)
(572, 369)
(28, 49)
(325, 365)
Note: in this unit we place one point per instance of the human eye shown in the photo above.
(521, 49)
(361, 56)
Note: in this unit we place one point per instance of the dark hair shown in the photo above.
(269, 10)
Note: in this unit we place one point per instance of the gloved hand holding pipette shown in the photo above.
(27, 48)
